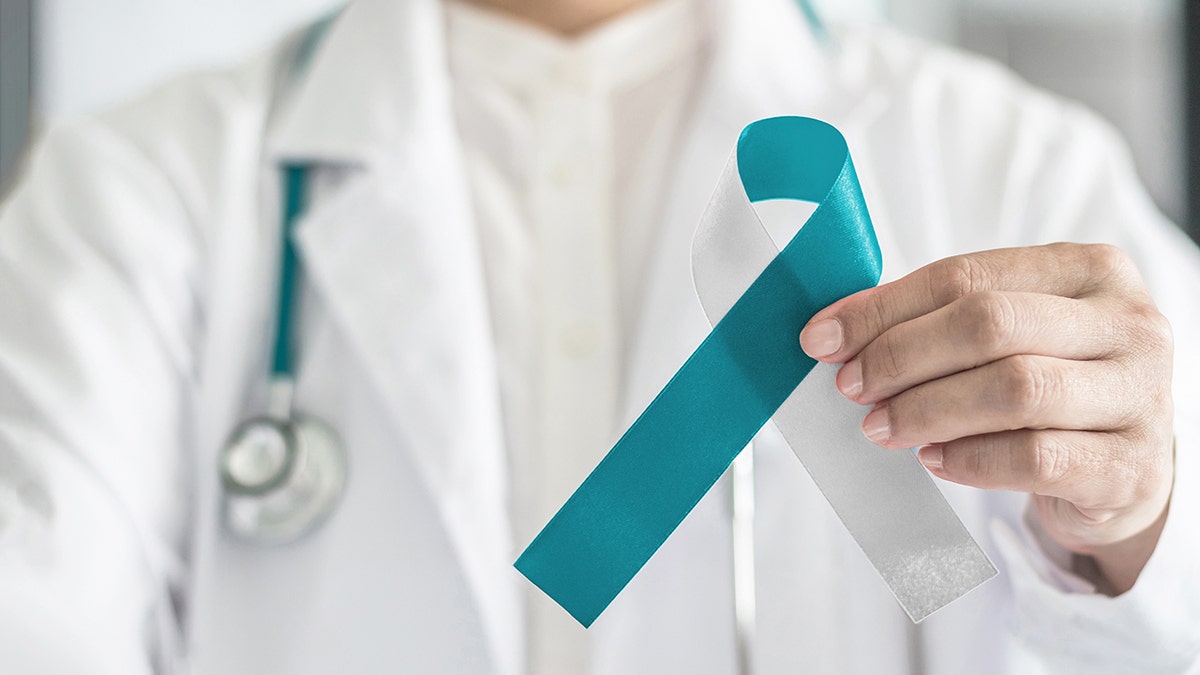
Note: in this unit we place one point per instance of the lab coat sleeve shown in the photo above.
(97, 310)
(1084, 189)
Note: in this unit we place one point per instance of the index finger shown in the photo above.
(838, 332)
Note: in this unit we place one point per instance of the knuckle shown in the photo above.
(974, 462)
(884, 361)
(1108, 263)
(954, 278)
(908, 416)
(1106, 258)
(875, 315)
(1046, 459)
(988, 320)
(1153, 330)
(863, 322)
(1025, 386)
(992, 461)
(1138, 330)
(1140, 391)
(1145, 460)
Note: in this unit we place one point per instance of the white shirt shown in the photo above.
(566, 144)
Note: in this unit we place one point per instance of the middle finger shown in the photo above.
(977, 329)
(1017, 392)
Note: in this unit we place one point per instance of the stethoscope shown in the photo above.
(282, 472)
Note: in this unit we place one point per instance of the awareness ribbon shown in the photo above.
(749, 370)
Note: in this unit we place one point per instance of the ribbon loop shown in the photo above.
(745, 370)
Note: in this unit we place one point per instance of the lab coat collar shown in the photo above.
(373, 84)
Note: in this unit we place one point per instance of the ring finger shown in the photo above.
(974, 330)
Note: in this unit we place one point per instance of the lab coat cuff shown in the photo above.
(1152, 628)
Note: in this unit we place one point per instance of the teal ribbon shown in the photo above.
(728, 388)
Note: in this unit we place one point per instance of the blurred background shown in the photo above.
(1136, 63)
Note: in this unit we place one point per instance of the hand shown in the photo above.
(1045, 370)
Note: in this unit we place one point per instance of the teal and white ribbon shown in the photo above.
(749, 370)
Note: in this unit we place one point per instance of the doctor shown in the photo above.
(493, 281)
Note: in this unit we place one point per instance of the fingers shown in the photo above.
(1044, 370)
(974, 330)
(841, 330)
(1016, 392)
(1085, 468)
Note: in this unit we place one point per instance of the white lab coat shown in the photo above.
(137, 270)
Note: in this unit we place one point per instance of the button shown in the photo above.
(580, 339)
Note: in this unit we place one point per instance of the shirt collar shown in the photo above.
(376, 85)
(373, 86)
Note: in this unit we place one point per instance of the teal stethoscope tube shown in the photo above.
(282, 472)
(295, 189)
(729, 387)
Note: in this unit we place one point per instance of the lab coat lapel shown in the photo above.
(392, 253)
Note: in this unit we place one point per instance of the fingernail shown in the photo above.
(821, 338)
(931, 456)
(876, 427)
(850, 379)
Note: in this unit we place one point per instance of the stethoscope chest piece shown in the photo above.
(281, 478)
